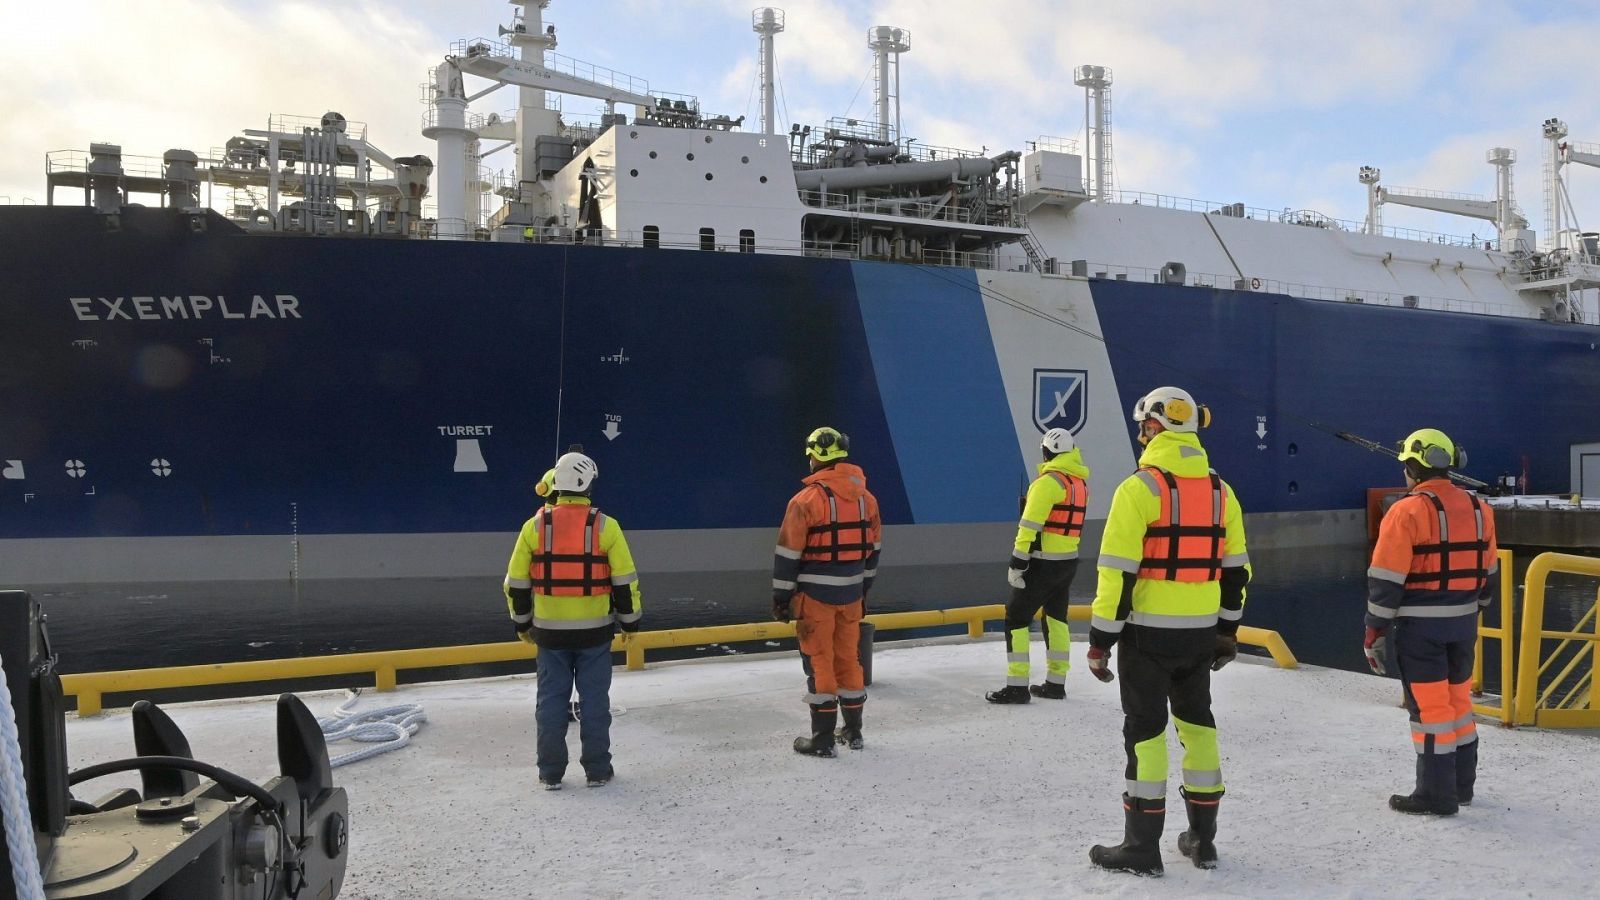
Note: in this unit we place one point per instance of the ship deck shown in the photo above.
(952, 797)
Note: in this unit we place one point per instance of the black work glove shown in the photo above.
(1227, 648)
(780, 607)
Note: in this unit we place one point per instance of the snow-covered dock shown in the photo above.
(953, 797)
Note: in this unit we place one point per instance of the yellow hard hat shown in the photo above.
(827, 444)
(1432, 449)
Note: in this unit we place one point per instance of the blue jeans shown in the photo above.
(590, 669)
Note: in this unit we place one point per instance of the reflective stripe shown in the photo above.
(1234, 560)
(1382, 612)
(1030, 525)
(1016, 681)
(847, 694)
(828, 579)
(869, 573)
(1467, 738)
(1150, 481)
(782, 585)
(1202, 777)
(1017, 657)
(1147, 790)
(1055, 677)
(1438, 612)
(1433, 728)
(1058, 654)
(1386, 575)
(522, 619)
(518, 582)
(629, 578)
(572, 624)
(1110, 626)
(819, 699)
(1019, 554)
(1156, 620)
(1120, 563)
(785, 552)
(1040, 554)
(1231, 615)
(1466, 720)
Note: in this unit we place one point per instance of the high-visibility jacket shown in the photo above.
(830, 539)
(1054, 511)
(572, 577)
(1436, 556)
(1173, 555)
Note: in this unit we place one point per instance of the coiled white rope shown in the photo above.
(14, 804)
(386, 728)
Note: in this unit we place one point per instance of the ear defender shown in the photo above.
(1205, 416)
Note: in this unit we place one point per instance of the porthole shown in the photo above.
(744, 159)
(634, 135)
(763, 179)
(690, 157)
(652, 154)
(708, 138)
(708, 176)
(1293, 449)
(1294, 487)
(634, 172)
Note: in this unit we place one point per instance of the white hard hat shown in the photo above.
(1058, 441)
(1173, 408)
(574, 472)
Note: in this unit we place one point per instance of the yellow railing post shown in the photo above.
(1508, 644)
(1533, 631)
(384, 678)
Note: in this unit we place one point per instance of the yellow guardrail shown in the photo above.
(1529, 697)
(91, 687)
(1503, 634)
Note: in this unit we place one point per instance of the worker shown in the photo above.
(570, 585)
(1172, 576)
(1043, 561)
(822, 569)
(1434, 567)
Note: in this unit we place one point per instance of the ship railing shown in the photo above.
(78, 161)
(554, 62)
(474, 121)
(915, 209)
(1146, 274)
(1436, 195)
(1302, 217)
(289, 124)
(385, 666)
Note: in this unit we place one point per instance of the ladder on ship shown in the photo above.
(1036, 257)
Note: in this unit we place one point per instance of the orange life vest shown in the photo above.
(1185, 543)
(569, 562)
(826, 542)
(1066, 517)
(1457, 559)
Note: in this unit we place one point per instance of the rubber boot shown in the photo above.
(1197, 843)
(1436, 788)
(1011, 693)
(1140, 850)
(850, 734)
(820, 743)
(1050, 690)
(1466, 771)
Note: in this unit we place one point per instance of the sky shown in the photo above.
(1273, 103)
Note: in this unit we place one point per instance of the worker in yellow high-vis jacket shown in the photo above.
(1043, 561)
(1173, 570)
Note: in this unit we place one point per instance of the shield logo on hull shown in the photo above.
(1060, 399)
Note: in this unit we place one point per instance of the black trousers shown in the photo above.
(1048, 581)
(1160, 668)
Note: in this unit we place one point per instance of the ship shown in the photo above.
(302, 364)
